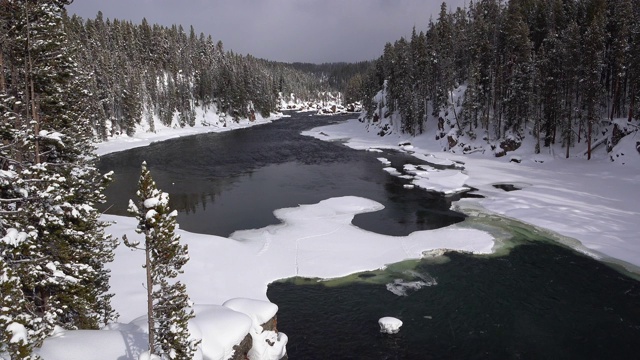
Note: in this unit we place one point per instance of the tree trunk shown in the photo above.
(615, 108)
(589, 128)
(3, 81)
(580, 131)
(151, 321)
(454, 111)
(569, 129)
(36, 120)
(632, 102)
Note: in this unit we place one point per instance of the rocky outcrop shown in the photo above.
(452, 141)
(266, 342)
(508, 145)
(272, 325)
(241, 351)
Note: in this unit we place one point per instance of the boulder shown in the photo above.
(453, 141)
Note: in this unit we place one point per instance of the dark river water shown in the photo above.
(538, 301)
(224, 182)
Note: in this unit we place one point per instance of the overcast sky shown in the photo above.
(284, 30)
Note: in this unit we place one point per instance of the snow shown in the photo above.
(91, 344)
(590, 204)
(313, 240)
(389, 325)
(402, 287)
(14, 237)
(206, 121)
(447, 182)
(148, 356)
(19, 333)
(218, 327)
(52, 135)
(259, 311)
(151, 202)
(392, 171)
(221, 328)
(384, 161)
(268, 345)
(150, 214)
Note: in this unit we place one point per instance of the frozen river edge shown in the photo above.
(589, 205)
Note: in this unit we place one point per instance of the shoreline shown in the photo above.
(218, 288)
(546, 198)
(143, 137)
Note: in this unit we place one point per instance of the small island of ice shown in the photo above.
(389, 325)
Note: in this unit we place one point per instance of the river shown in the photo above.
(539, 300)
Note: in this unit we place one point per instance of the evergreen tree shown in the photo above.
(13, 316)
(55, 247)
(167, 300)
(516, 72)
(593, 49)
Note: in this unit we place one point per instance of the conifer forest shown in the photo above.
(563, 69)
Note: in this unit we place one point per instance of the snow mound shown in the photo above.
(148, 356)
(389, 325)
(19, 333)
(392, 171)
(220, 329)
(268, 345)
(93, 344)
(384, 161)
(257, 310)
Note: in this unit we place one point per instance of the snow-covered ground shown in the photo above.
(206, 121)
(593, 201)
(315, 240)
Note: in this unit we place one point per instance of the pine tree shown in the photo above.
(12, 305)
(593, 48)
(516, 72)
(48, 185)
(167, 300)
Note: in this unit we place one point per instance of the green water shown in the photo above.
(532, 299)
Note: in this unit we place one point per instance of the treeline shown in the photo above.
(337, 76)
(557, 67)
(140, 70)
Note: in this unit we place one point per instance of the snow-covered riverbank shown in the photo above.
(593, 201)
(206, 122)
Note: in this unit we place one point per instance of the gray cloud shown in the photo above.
(284, 30)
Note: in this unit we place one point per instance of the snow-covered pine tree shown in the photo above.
(168, 305)
(12, 315)
(516, 72)
(53, 242)
(593, 47)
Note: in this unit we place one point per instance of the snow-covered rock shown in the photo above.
(389, 325)
(268, 345)
(257, 310)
